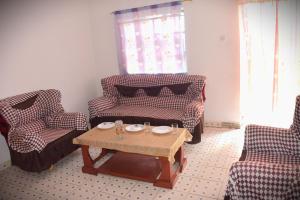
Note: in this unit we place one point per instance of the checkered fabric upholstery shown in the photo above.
(27, 138)
(26, 125)
(261, 180)
(67, 120)
(187, 107)
(271, 139)
(101, 103)
(271, 169)
(296, 122)
(194, 90)
(135, 111)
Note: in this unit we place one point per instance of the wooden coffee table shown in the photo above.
(141, 156)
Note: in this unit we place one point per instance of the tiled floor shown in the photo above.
(205, 176)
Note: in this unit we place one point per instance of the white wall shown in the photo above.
(212, 48)
(70, 45)
(47, 44)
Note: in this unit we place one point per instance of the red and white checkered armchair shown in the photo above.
(269, 167)
(159, 99)
(37, 130)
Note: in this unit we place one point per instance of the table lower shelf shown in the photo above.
(133, 166)
(151, 169)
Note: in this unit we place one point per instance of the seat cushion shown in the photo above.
(269, 157)
(142, 111)
(50, 135)
(34, 127)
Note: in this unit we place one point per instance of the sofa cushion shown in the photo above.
(142, 111)
(271, 157)
(35, 127)
(28, 115)
(50, 101)
(51, 134)
(171, 102)
(130, 91)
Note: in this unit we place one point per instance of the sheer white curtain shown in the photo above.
(151, 39)
(270, 60)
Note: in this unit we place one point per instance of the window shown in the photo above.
(151, 39)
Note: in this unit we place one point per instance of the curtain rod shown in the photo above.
(145, 7)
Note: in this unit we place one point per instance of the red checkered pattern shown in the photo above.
(270, 157)
(27, 138)
(296, 122)
(50, 101)
(49, 135)
(172, 102)
(67, 120)
(30, 114)
(192, 114)
(259, 180)
(271, 139)
(138, 111)
(194, 90)
(271, 169)
(27, 125)
(101, 103)
(8, 113)
(20, 98)
(188, 108)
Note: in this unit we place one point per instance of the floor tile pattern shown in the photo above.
(204, 177)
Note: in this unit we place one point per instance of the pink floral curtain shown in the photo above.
(270, 60)
(151, 39)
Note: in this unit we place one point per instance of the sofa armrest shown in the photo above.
(276, 140)
(8, 113)
(25, 141)
(194, 109)
(263, 181)
(99, 104)
(192, 114)
(75, 121)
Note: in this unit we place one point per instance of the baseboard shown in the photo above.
(223, 124)
(5, 165)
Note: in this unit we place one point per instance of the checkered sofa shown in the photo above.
(269, 167)
(37, 129)
(159, 99)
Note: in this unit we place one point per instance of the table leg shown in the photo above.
(88, 162)
(167, 177)
(179, 157)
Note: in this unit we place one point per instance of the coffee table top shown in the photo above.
(141, 142)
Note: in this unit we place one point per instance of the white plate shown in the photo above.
(162, 129)
(106, 125)
(134, 128)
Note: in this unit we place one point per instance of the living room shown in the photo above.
(71, 45)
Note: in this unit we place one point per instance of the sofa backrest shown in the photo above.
(161, 85)
(22, 109)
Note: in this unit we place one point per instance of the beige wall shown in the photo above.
(70, 45)
(212, 48)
